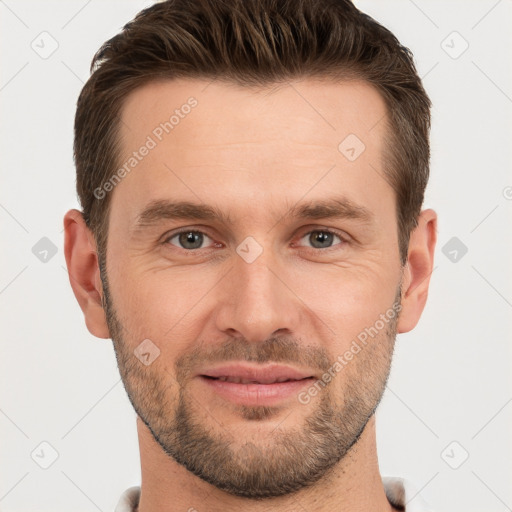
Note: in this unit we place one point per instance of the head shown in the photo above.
(250, 129)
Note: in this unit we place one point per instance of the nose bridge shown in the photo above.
(257, 303)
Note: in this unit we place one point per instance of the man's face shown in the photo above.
(268, 282)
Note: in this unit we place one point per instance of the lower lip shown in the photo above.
(256, 394)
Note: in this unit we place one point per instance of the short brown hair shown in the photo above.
(253, 43)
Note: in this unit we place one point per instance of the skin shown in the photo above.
(254, 153)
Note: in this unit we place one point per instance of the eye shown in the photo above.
(188, 239)
(322, 238)
(192, 239)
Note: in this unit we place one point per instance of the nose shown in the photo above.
(257, 301)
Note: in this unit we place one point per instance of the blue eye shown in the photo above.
(321, 238)
(189, 239)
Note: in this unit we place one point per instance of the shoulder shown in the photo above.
(129, 500)
(402, 494)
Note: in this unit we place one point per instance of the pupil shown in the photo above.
(192, 238)
(322, 237)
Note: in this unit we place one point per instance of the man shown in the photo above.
(252, 175)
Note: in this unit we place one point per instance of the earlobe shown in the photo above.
(83, 271)
(418, 269)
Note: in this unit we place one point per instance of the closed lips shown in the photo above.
(240, 380)
(247, 374)
(255, 385)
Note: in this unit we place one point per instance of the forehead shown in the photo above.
(324, 107)
(239, 145)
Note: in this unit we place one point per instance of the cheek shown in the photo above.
(349, 299)
(160, 304)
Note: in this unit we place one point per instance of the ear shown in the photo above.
(419, 266)
(84, 273)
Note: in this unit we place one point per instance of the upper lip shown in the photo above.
(260, 374)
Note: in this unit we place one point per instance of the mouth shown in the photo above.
(240, 380)
(253, 386)
(248, 374)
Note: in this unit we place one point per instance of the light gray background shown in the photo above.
(450, 392)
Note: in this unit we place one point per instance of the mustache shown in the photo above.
(273, 350)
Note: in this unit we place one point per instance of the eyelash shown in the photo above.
(344, 239)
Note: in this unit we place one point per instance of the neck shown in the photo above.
(354, 484)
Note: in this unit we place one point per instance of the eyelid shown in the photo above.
(169, 235)
(344, 237)
(340, 233)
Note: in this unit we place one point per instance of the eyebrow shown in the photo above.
(332, 208)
